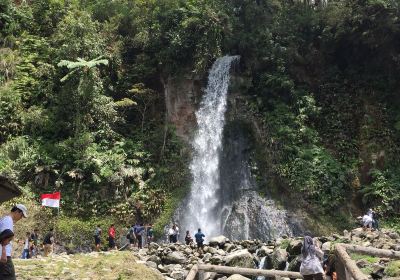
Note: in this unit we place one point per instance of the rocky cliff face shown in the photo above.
(182, 95)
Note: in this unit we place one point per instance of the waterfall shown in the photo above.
(224, 196)
(204, 198)
(261, 266)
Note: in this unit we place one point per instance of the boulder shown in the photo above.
(377, 271)
(154, 259)
(206, 257)
(151, 264)
(294, 264)
(264, 250)
(326, 246)
(216, 259)
(294, 247)
(362, 263)
(240, 258)
(177, 275)
(394, 235)
(229, 247)
(218, 241)
(279, 258)
(174, 257)
(237, 277)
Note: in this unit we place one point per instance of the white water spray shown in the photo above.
(207, 145)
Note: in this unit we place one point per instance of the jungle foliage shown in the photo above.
(82, 108)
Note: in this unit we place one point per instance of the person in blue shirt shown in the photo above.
(199, 236)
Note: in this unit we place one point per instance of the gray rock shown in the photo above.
(294, 247)
(206, 257)
(279, 258)
(394, 235)
(218, 241)
(264, 250)
(326, 246)
(362, 263)
(216, 259)
(154, 259)
(294, 264)
(240, 258)
(174, 257)
(210, 250)
(177, 275)
(377, 271)
(229, 247)
(237, 277)
(151, 264)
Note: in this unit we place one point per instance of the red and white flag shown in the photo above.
(51, 199)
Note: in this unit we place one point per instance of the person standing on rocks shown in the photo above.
(7, 271)
(150, 234)
(176, 236)
(171, 233)
(311, 267)
(199, 236)
(48, 242)
(188, 238)
(111, 238)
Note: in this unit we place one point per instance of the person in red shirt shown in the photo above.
(111, 238)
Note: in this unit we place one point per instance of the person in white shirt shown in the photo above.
(311, 267)
(19, 211)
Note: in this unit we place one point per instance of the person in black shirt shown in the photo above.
(48, 241)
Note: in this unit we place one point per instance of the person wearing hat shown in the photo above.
(19, 211)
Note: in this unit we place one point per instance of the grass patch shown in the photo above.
(393, 269)
(369, 259)
(284, 244)
(109, 265)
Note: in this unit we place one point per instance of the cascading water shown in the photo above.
(204, 198)
(223, 197)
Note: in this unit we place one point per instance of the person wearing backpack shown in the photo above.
(311, 267)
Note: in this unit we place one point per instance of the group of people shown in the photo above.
(173, 236)
(370, 220)
(32, 246)
(138, 234)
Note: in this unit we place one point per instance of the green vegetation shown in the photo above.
(82, 108)
(369, 259)
(393, 269)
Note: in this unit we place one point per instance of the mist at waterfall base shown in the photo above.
(223, 197)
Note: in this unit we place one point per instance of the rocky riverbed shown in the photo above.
(175, 260)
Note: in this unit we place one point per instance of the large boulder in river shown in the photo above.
(174, 257)
(294, 264)
(237, 277)
(279, 258)
(294, 247)
(240, 258)
(264, 250)
(218, 241)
